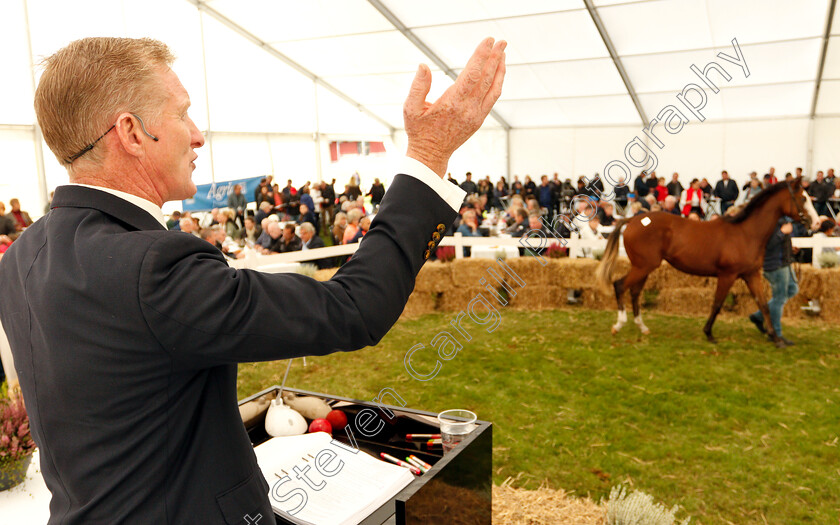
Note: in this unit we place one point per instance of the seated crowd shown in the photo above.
(291, 219)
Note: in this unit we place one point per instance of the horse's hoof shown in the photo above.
(645, 330)
(614, 330)
(711, 338)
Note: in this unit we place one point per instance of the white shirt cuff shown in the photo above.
(452, 194)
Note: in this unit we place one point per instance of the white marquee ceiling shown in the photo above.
(560, 72)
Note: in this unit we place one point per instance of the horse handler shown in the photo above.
(778, 256)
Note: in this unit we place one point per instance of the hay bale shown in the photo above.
(420, 303)
(513, 506)
(434, 277)
(324, 275)
(456, 299)
(573, 273)
(466, 273)
(685, 301)
(538, 298)
(530, 270)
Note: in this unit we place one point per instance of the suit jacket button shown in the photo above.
(441, 228)
(426, 254)
(436, 236)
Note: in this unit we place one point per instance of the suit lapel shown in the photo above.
(81, 197)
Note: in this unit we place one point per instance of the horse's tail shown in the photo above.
(605, 269)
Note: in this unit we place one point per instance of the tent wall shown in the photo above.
(699, 150)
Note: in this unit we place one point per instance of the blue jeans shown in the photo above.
(784, 286)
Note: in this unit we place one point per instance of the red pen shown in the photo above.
(410, 437)
(414, 470)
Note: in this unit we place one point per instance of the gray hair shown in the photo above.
(307, 227)
(354, 215)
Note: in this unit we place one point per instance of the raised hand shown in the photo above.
(436, 130)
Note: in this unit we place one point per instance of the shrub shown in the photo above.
(828, 259)
(638, 508)
(15, 440)
(307, 270)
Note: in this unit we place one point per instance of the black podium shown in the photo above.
(458, 488)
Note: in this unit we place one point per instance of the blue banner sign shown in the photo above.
(215, 195)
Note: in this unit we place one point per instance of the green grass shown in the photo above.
(739, 432)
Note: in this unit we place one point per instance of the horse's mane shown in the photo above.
(755, 203)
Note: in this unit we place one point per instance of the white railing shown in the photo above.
(286, 261)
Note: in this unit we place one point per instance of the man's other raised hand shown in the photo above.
(435, 130)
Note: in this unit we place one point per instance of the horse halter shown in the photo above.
(803, 216)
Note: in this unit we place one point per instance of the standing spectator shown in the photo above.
(530, 186)
(829, 177)
(258, 190)
(753, 189)
(545, 194)
(621, 193)
(693, 199)
(451, 179)
(376, 193)
(264, 195)
(727, 191)
(778, 256)
(8, 233)
(771, 176)
(674, 187)
(20, 217)
(661, 190)
(706, 187)
(468, 185)
(820, 191)
(798, 173)
(238, 203)
(640, 187)
(484, 187)
(516, 188)
(652, 181)
(307, 216)
(753, 177)
(174, 221)
(328, 204)
(499, 193)
(306, 198)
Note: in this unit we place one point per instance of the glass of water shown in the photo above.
(455, 425)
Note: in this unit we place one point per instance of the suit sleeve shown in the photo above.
(204, 313)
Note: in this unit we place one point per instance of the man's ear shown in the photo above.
(130, 135)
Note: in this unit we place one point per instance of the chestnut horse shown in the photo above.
(728, 248)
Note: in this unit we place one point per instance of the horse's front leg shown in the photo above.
(723, 285)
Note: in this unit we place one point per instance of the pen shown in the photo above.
(410, 437)
(418, 460)
(414, 470)
(416, 464)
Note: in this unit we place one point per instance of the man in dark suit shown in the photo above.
(726, 190)
(126, 336)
